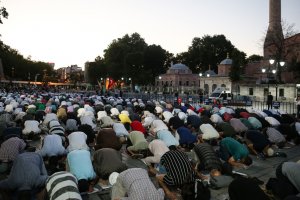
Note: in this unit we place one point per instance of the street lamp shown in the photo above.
(130, 83)
(270, 71)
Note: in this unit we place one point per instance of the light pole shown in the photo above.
(130, 83)
(270, 71)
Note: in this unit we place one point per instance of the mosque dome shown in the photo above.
(227, 61)
(179, 66)
(210, 72)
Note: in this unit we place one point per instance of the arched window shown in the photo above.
(206, 89)
(214, 86)
(223, 85)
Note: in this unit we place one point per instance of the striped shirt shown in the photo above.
(11, 148)
(138, 185)
(178, 168)
(62, 186)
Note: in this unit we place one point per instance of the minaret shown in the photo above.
(274, 32)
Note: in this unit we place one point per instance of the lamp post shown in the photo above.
(270, 71)
(130, 83)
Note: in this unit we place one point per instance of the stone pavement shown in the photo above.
(262, 169)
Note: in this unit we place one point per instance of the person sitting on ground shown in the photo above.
(52, 151)
(258, 144)
(238, 126)
(105, 162)
(274, 136)
(208, 134)
(193, 123)
(27, 176)
(56, 128)
(225, 130)
(246, 189)
(157, 148)
(9, 150)
(186, 139)
(88, 130)
(71, 126)
(131, 184)
(179, 172)
(156, 126)
(138, 143)
(207, 160)
(106, 138)
(287, 180)
(77, 140)
(160, 131)
(80, 165)
(235, 153)
(62, 185)
(31, 129)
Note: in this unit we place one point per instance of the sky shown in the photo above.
(72, 32)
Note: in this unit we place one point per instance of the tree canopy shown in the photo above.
(3, 14)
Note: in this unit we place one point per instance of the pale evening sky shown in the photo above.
(69, 32)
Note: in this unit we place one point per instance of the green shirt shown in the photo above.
(237, 150)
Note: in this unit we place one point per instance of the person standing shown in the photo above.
(270, 100)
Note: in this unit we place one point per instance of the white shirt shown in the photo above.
(157, 148)
(88, 120)
(77, 140)
(31, 126)
(209, 132)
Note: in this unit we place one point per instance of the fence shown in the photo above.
(289, 107)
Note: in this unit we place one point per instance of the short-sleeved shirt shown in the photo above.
(235, 149)
(178, 168)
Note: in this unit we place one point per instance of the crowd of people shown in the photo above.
(72, 146)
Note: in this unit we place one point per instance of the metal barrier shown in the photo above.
(194, 100)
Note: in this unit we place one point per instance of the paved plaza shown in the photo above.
(262, 169)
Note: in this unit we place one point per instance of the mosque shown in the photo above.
(257, 80)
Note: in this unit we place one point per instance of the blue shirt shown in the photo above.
(80, 164)
(167, 137)
(186, 137)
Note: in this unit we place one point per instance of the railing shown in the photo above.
(289, 107)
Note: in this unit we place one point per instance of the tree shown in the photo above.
(238, 61)
(206, 51)
(278, 45)
(154, 59)
(120, 53)
(3, 14)
(254, 58)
